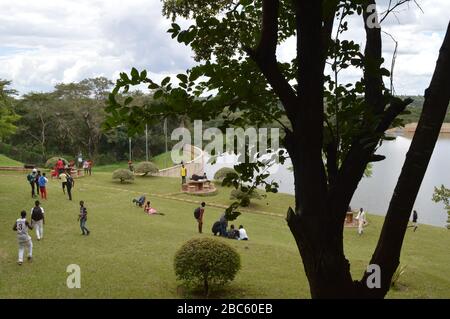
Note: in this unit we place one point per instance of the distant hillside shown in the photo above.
(416, 107)
(6, 161)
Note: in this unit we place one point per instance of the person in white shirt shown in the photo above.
(21, 227)
(38, 219)
(242, 233)
(63, 178)
(361, 217)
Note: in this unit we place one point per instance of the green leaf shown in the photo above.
(158, 94)
(165, 81)
(182, 77)
(128, 100)
(153, 86)
(143, 75)
(134, 74)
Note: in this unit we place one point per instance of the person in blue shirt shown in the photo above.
(43, 186)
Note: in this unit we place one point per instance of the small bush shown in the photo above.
(205, 262)
(123, 175)
(51, 162)
(223, 172)
(145, 168)
(244, 197)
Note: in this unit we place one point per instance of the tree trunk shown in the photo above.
(318, 228)
(437, 98)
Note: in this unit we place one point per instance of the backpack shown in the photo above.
(37, 214)
(197, 213)
(216, 228)
(30, 178)
(69, 181)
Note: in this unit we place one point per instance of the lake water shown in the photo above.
(374, 193)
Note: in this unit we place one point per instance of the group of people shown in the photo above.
(146, 205)
(220, 226)
(37, 221)
(362, 221)
(194, 177)
(38, 183)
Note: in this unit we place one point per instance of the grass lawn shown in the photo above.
(130, 254)
(6, 161)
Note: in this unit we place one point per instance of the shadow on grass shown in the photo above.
(223, 292)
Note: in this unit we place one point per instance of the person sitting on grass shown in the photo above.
(139, 201)
(150, 210)
(233, 233)
(242, 233)
(216, 228)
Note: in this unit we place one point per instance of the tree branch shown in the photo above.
(265, 57)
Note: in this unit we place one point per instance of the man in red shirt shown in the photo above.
(60, 166)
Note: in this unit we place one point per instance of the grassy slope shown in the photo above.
(130, 254)
(6, 161)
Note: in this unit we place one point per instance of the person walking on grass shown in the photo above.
(38, 219)
(86, 167)
(43, 186)
(361, 221)
(63, 178)
(32, 180)
(198, 215)
(415, 216)
(82, 219)
(38, 175)
(21, 227)
(70, 183)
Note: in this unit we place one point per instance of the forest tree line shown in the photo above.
(68, 120)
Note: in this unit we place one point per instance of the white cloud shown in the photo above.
(46, 42)
(49, 41)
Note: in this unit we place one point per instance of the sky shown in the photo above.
(46, 42)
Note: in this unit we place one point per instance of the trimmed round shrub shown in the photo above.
(145, 168)
(244, 197)
(51, 162)
(223, 172)
(123, 175)
(204, 262)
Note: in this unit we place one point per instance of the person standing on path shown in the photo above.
(21, 227)
(70, 183)
(32, 180)
(183, 174)
(83, 218)
(198, 214)
(43, 186)
(38, 219)
(361, 221)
